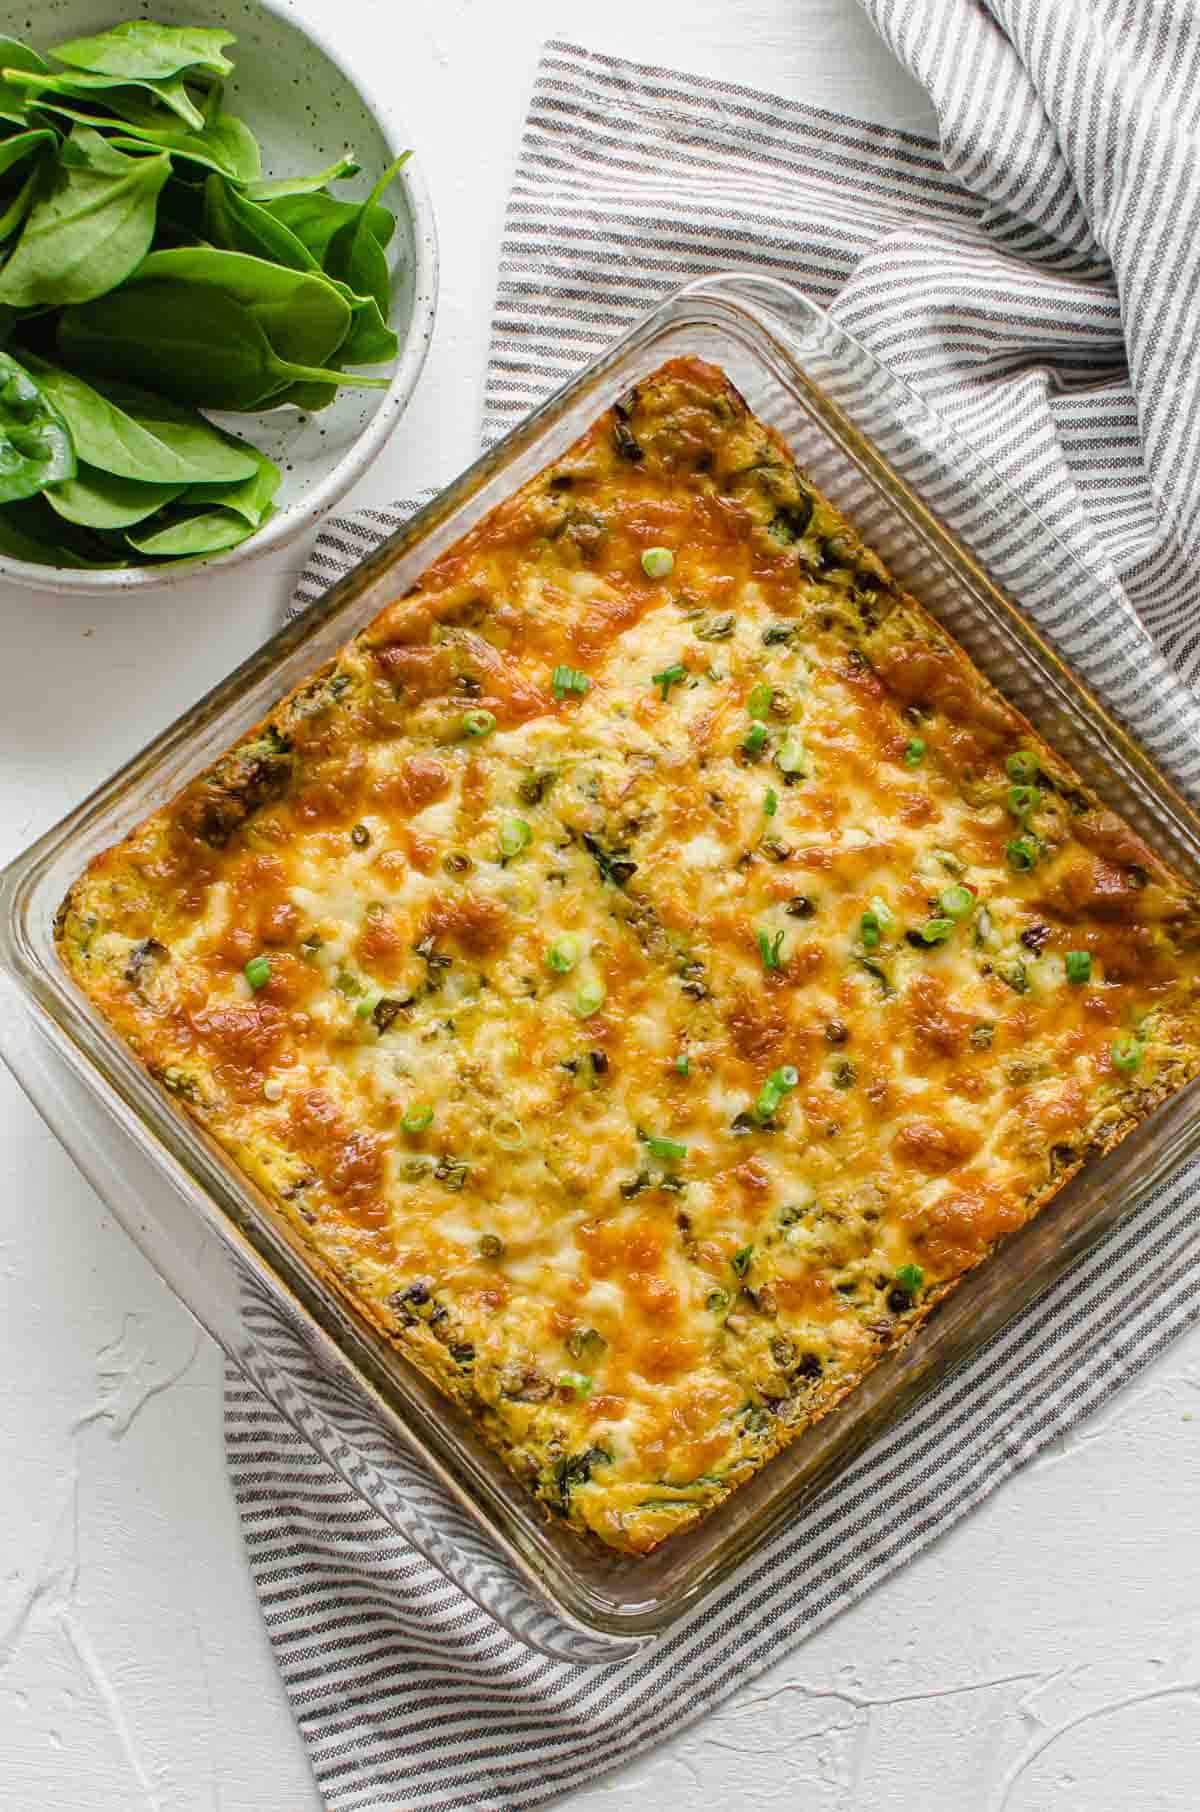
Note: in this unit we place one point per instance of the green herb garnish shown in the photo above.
(758, 701)
(755, 740)
(417, 1118)
(1023, 767)
(670, 676)
(778, 1084)
(478, 723)
(914, 751)
(562, 955)
(569, 679)
(741, 1261)
(770, 802)
(589, 998)
(671, 1151)
(1022, 853)
(957, 902)
(1126, 1054)
(515, 835)
(1022, 800)
(658, 562)
(769, 948)
(257, 972)
(1079, 967)
(910, 1278)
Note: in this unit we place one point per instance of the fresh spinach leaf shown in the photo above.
(314, 219)
(36, 448)
(14, 104)
(141, 48)
(138, 435)
(185, 536)
(110, 91)
(355, 256)
(89, 229)
(252, 499)
(226, 143)
(303, 314)
(275, 188)
(193, 343)
(370, 340)
(31, 531)
(232, 223)
(101, 500)
(21, 145)
(14, 214)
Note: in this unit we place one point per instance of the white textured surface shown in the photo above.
(1044, 1658)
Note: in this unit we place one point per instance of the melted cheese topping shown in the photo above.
(664, 993)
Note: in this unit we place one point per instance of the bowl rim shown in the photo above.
(293, 520)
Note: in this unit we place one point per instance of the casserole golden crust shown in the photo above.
(650, 966)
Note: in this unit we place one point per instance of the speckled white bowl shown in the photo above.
(306, 107)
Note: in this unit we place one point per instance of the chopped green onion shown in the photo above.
(1126, 1054)
(515, 835)
(770, 802)
(936, 931)
(1079, 966)
(347, 984)
(589, 998)
(1022, 853)
(478, 723)
(910, 1278)
(957, 902)
(870, 930)
(741, 1261)
(792, 757)
(569, 679)
(367, 1005)
(563, 955)
(669, 1150)
(758, 700)
(670, 676)
(491, 1246)
(658, 563)
(1022, 800)
(754, 740)
(1023, 767)
(914, 751)
(769, 948)
(681, 1063)
(845, 1075)
(257, 972)
(417, 1118)
(716, 1300)
(778, 1084)
(575, 1381)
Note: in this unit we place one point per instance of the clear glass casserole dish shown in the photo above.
(985, 565)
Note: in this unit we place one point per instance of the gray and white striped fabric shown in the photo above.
(1034, 277)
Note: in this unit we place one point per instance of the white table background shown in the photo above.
(1045, 1657)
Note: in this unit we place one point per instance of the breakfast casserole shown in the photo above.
(649, 966)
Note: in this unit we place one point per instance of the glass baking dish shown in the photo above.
(967, 545)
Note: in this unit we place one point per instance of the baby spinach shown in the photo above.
(234, 223)
(141, 48)
(303, 315)
(36, 448)
(101, 500)
(136, 435)
(89, 229)
(314, 219)
(14, 103)
(274, 189)
(252, 499)
(355, 255)
(109, 90)
(31, 531)
(196, 344)
(21, 145)
(185, 536)
(139, 238)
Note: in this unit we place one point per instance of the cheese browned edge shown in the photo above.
(742, 1044)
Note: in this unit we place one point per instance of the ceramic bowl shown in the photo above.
(306, 106)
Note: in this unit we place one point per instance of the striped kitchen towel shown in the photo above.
(1034, 275)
